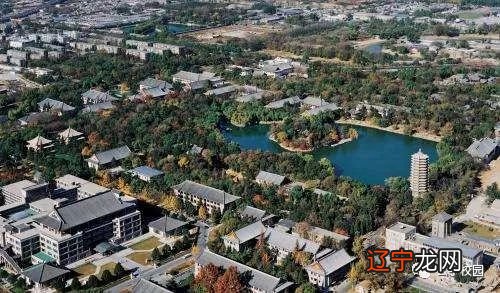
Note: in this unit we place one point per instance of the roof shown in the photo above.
(83, 185)
(289, 242)
(331, 262)
(440, 243)
(166, 224)
(420, 155)
(205, 192)
(281, 103)
(68, 133)
(43, 256)
(98, 107)
(104, 247)
(257, 279)
(85, 210)
(252, 212)
(95, 96)
(326, 233)
(270, 178)
(402, 227)
(108, 156)
(277, 67)
(192, 76)
(44, 272)
(324, 108)
(146, 171)
(39, 141)
(221, 90)
(155, 92)
(144, 285)
(247, 233)
(18, 187)
(482, 148)
(54, 105)
(155, 83)
(442, 217)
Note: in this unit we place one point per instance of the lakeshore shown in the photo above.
(418, 134)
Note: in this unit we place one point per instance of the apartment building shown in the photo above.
(199, 194)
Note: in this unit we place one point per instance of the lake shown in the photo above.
(176, 28)
(373, 157)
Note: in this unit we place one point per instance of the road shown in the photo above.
(202, 234)
(151, 272)
(429, 287)
(474, 208)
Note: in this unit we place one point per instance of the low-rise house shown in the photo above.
(154, 88)
(138, 285)
(108, 48)
(192, 80)
(42, 275)
(146, 173)
(137, 54)
(174, 49)
(23, 191)
(490, 216)
(252, 213)
(97, 108)
(49, 104)
(329, 267)
(281, 103)
(165, 227)
(275, 70)
(36, 118)
(258, 282)
(268, 178)
(108, 159)
(39, 143)
(286, 243)
(224, 91)
(236, 239)
(93, 96)
(199, 194)
(484, 150)
(319, 235)
(69, 135)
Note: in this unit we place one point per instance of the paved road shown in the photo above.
(430, 287)
(474, 208)
(203, 234)
(151, 272)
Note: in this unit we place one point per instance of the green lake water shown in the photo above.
(373, 157)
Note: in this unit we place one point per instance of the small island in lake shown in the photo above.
(304, 134)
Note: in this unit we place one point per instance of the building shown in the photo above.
(69, 135)
(441, 225)
(484, 150)
(71, 232)
(99, 107)
(405, 236)
(199, 194)
(54, 105)
(267, 178)
(166, 227)
(286, 243)
(258, 282)
(84, 188)
(23, 191)
(93, 96)
(328, 267)
(236, 239)
(146, 173)
(39, 143)
(252, 213)
(192, 80)
(42, 275)
(419, 174)
(108, 159)
(225, 91)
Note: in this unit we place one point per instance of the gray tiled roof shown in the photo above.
(252, 212)
(55, 105)
(331, 262)
(270, 178)
(146, 171)
(95, 96)
(402, 227)
(289, 242)
(144, 285)
(205, 192)
(440, 243)
(155, 92)
(442, 217)
(221, 90)
(193, 76)
(482, 148)
(92, 108)
(44, 272)
(110, 155)
(155, 83)
(247, 233)
(85, 210)
(166, 224)
(258, 279)
(281, 103)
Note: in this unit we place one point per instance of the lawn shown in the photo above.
(86, 269)
(110, 266)
(147, 244)
(140, 257)
(481, 230)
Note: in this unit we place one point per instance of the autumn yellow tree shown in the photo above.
(172, 203)
(202, 212)
(183, 161)
(124, 187)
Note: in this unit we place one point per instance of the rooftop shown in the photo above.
(205, 192)
(252, 212)
(331, 262)
(146, 171)
(44, 272)
(290, 242)
(402, 228)
(108, 156)
(167, 224)
(270, 178)
(442, 217)
(482, 148)
(247, 233)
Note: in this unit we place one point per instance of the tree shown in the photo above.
(216, 216)
(76, 284)
(202, 212)
(229, 282)
(207, 277)
(118, 271)
(106, 277)
(172, 203)
(492, 192)
(155, 254)
(166, 251)
(306, 288)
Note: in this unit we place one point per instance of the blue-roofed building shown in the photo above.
(146, 173)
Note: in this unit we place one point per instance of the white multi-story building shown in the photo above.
(419, 174)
